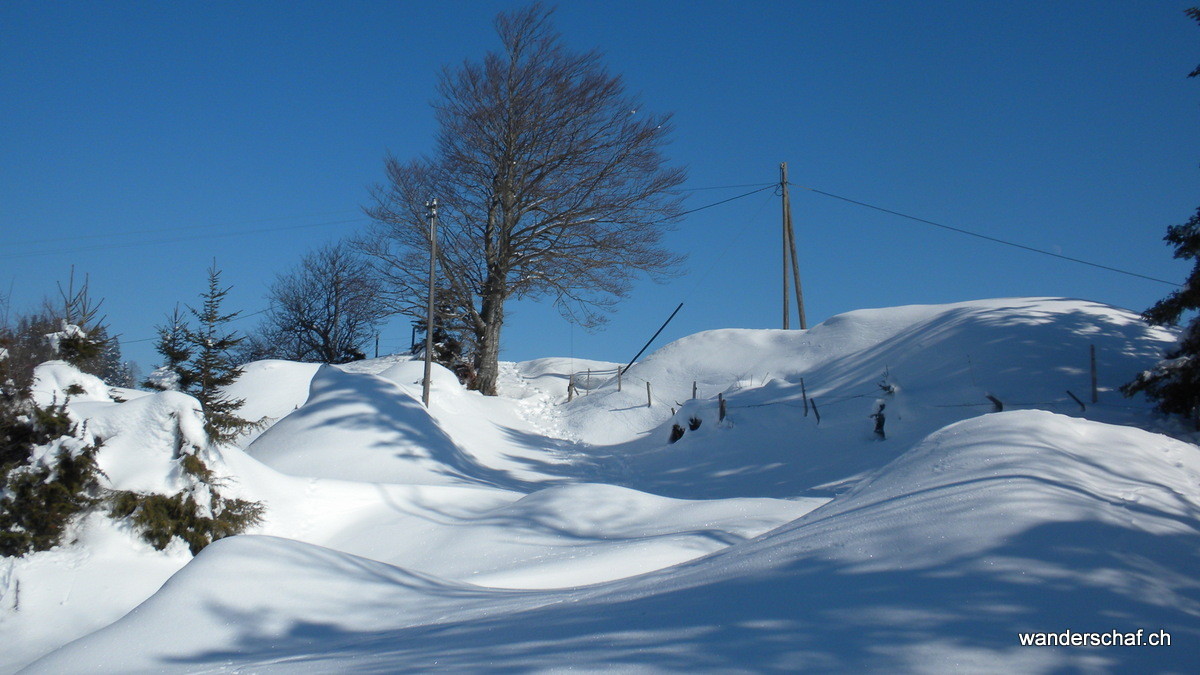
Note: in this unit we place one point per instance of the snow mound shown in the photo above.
(145, 438)
(270, 390)
(365, 428)
(554, 373)
(1021, 350)
(1011, 522)
(518, 533)
(1022, 521)
(55, 381)
(249, 593)
(412, 374)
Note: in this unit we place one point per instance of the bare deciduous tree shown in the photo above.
(552, 183)
(325, 309)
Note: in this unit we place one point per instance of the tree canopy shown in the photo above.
(552, 181)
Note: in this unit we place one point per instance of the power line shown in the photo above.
(725, 201)
(130, 233)
(292, 227)
(236, 318)
(989, 238)
(172, 240)
(725, 187)
(738, 231)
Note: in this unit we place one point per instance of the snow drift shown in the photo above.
(521, 533)
(933, 565)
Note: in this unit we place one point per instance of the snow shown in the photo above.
(54, 381)
(524, 533)
(270, 390)
(69, 331)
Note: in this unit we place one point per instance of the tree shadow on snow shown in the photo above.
(809, 613)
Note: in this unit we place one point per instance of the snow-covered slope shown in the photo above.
(524, 533)
(1023, 521)
(940, 362)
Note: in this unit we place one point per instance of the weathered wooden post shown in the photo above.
(804, 393)
(693, 389)
(878, 417)
(720, 407)
(649, 400)
(1095, 388)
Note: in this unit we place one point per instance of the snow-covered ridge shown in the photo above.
(523, 533)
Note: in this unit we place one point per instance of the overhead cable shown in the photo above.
(988, 238)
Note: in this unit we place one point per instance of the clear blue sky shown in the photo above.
(140, 140)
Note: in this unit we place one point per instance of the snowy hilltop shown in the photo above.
(908, 489)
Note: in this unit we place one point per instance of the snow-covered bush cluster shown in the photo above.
(48, 474)
(51, 471)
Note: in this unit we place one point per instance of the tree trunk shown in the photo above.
(487, 355)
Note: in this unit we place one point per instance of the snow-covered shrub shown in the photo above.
(48, 475)
(198, 514)
(160, 518)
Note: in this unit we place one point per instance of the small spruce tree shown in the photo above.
(80, 337)
(173, 345)
(212, 366)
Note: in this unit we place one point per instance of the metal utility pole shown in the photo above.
(431, 212)
(789, 249)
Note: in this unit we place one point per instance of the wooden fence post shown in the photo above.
(1095, 388)
(649, 401)
(804, 392)
(693, 389)
(619, 371)
(879, 419)
(721, 407)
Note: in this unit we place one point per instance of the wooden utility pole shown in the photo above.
(431, 211)
(786, 244)
(789, 249)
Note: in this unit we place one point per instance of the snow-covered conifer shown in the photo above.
(1175, 381)
(173, 345)
(211, 367)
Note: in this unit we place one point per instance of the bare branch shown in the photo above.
(553, 184)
